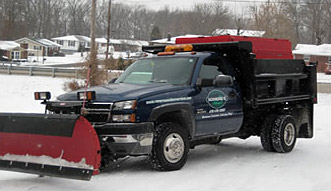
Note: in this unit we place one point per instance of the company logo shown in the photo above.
(216, 99)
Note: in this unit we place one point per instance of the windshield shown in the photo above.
(175, 71)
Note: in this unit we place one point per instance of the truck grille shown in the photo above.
(98, 112)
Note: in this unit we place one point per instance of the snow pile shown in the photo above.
(46, 160)
(54, 60)
(323, 78)
(17, 92)
(232, 165)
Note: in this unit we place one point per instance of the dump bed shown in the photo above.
(262, 81)
(280, 81)
(266, 81)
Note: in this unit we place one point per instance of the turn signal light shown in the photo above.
(166, 53)
(179, 48)
(88, 96)
(42, 95)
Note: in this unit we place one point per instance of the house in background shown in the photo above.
(235, 32)
(39, 47)
(122, 45)
(172, 40)
(10, 50)
(314, 53)
(73, 43)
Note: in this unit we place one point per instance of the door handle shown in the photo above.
(232, 93)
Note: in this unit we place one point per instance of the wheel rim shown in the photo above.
(173, 148)
(289, 134)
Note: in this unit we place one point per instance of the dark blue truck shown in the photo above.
(187, 95)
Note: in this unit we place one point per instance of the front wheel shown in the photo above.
(170, 147)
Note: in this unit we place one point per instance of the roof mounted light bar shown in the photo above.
(216, 47)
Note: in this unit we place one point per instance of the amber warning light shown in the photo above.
(179, 48)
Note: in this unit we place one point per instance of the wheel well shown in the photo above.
(180, 117)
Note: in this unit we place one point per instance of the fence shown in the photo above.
(38, 71)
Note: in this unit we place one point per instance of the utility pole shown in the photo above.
(108, 28)
(93, 50)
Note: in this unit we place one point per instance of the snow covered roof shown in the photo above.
(77, 38)
(173, 39)
(41, 42)
(49, 43)
(8, 45)
(310, 49)
(101, 40)
(251, 33)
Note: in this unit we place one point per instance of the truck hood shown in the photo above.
(121, 92)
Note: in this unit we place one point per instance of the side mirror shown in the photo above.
(111, 81)
(223, 81)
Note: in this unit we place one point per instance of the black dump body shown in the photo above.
(270, 87)
(263, 81)
(267, 86)
(276, 81)
(266, 81)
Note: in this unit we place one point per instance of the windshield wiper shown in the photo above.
(160, 81)
(163, 81)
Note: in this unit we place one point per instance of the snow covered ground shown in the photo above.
(323, 78)
(233, 165)
(69, 59)
(53, 60)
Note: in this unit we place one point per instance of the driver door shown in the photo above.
(218, 109)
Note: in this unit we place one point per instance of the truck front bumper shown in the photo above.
(127, 138)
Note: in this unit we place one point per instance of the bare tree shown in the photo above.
(294, 12)
(12, 19)
(328, 19)
(315, 22)
(79, 19)
(270, 17)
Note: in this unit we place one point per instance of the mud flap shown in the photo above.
(65, 146)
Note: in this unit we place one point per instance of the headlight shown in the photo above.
(42, 95)
(124, 118)
(125, 105)
(88, 96)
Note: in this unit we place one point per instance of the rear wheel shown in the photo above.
(265, 134)
(284, 134)
(170, 147)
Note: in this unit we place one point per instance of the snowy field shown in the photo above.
(233, 165)
(68, 59)
(323, 78)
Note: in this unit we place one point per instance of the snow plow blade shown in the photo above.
(64, 146)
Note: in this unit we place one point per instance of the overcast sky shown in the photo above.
(234, 5)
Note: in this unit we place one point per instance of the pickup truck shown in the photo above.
(187, 95)
(181, 96)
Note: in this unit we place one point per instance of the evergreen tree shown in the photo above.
(156, 34)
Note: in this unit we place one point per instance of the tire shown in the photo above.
(284, 134)
(216, 140)
(265, 133)
(170, 147)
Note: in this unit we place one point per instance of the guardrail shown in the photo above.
(39, 71)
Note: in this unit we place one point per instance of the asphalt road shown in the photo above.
(324, 88)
